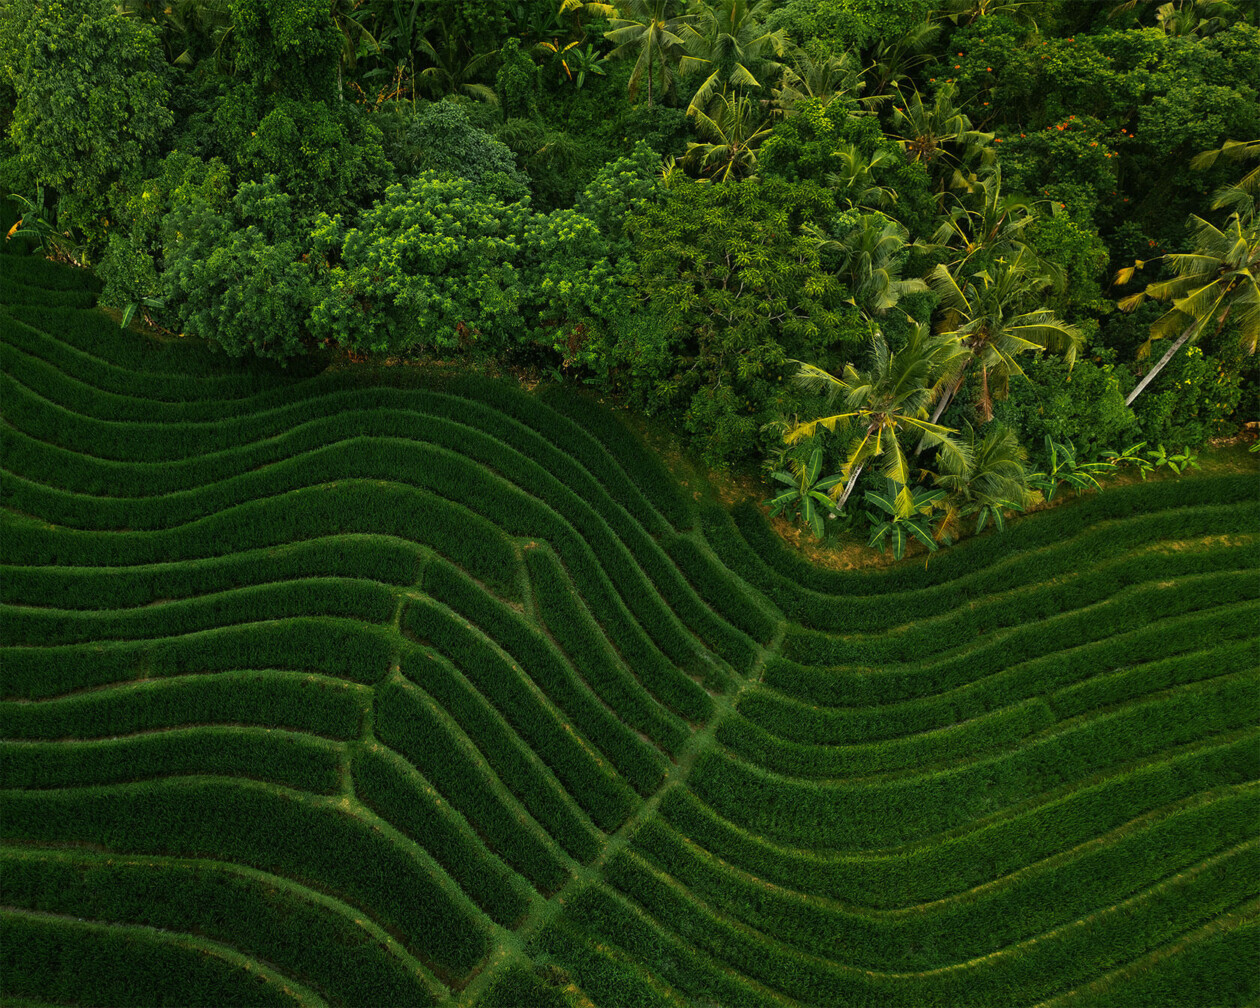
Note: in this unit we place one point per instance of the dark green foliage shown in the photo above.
(741, 292)
(235, 274)
(440, 138)
(91, 104)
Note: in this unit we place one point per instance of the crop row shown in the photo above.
(344, 649)
(1165, 607)
(1058, 560)
(525, 650)
(504, 797)
(323, 846)
(66, 961)
(47, 274)
(857, 815)
(1177, 639)
(18, 296)
(299, 761)
(377, 558)
(293, 701)
(1001, 729)
(349, 598)
(1110, 936)
(947, 932)
(1104, 585)
(348, 507)
(314, 940)
(399, 794)
(89, 346)
(595, 786)
(947, 865)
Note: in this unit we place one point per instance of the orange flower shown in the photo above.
(957, 66)
(1059, 127)
(990, 69)
(986, 103)
(1094, 144)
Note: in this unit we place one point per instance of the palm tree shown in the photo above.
(877, 405)
(989, 221)
(1217, 282)
(870, 259)
(1241, 196)
(818, 75)
(731, 135)
(453, 66)
(897, 58)
(981, 310)
(855, 185)
(727, 43)
(995, 478)
(941, 131)
(648, 31)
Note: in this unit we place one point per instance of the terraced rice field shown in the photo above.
(375, 688)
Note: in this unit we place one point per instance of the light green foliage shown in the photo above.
(91, 103)
(431, 266)
(235, 274)
(1075, 249)
(1194, 398)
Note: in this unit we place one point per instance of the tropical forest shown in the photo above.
(648, 504)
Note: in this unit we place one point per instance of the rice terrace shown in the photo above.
(646, 504)
(330, 689)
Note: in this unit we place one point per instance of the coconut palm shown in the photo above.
(1218, 282)
(995, 479)
(817, 75)
(649, 31)
(895, 59)
(854, 183)
(888, 399)
(453, 67)
(1241, 196)
(732, 135)
(985, 220)
(982, 310)
(871, 256)
(941, 133)
(730, 45)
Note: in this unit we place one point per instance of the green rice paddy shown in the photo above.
(377, 687)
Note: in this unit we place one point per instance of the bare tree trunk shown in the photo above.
(946, 399)
(848, 487)
(1160, 366)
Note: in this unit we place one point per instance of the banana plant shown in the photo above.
(807, 492)
(1064, 468)
(894, 528)
(1131, 456)
(1177, 463)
